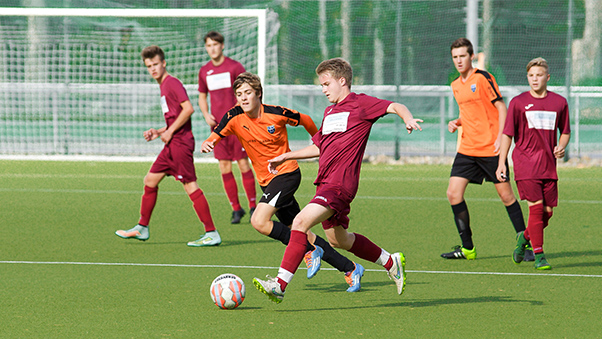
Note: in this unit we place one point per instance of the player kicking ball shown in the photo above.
(340, 144)
(262, 130)
(534, 117)
(176, 158)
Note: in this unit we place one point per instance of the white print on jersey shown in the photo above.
(335, 123)
(541, 119)
(218, 81)
(164, 107)
(528, 106)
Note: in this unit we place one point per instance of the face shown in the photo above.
(334, 89)
(462, 60)
(538, 78)
(155, 67)
(214, 49)
(247, 99)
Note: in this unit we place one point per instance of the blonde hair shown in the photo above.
(338, 68)
(541, 62)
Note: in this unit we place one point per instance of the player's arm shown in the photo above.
(204, 106)
(310, 151)
(502, 172)
(559, 149)
(184, 116)
(502, 113)
(307, 122)
(404, 113)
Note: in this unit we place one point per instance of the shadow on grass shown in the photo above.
(223, 244)
(366, 286)
(573, 254)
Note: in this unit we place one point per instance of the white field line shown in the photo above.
(367, 197)
(275, 268)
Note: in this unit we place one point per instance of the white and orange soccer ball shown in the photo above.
(228, 291)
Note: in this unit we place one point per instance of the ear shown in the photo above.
(342, 81)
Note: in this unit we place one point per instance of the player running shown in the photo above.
(176, 158)
(262, 130)
(340, 143)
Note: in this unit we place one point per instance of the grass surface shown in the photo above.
(64, 274)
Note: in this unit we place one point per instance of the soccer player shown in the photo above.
(215, 79)
(482, 116)
(533, 119)
(262, 130)
(176, 158)
(340, 144)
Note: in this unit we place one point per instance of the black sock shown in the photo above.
(334, 258)
(462, 220)
(516, 216)
(280, 232)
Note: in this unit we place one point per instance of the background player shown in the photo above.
(482, 116)
(176, 158)
(262, 130)
(533, 119)
(340, 143)
(216, 78)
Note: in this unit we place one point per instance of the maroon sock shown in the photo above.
(149, 199)
(293, 254)
(546, 218)
(364, 248)
(535, 227)
(248, 182)
(201, 207)
(231, 190)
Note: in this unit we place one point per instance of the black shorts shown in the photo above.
(475, 169)
(280, 193)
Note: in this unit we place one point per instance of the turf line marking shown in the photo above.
(275, 268)
(368, 197)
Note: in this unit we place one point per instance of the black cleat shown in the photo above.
(237, 215)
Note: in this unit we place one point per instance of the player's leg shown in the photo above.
(311, 215)
(231, 188)
(248, 183)
(147, 204)
(455, 195)
(201, 208)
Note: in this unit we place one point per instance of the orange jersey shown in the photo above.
(265, 137)
(479, 116)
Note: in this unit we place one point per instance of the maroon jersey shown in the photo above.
(217, 81)
(172, 95)
(534, 122)
(342, 139)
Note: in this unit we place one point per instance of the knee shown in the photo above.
(454, 197)
(262, 226)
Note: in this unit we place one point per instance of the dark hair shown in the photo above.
(463, 42)
(249, 78)
(338, 68)
(151, 52)
(215, 36)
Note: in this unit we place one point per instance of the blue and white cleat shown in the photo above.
(209, 239)
(313, 260)
(354, 278)
(398, 271)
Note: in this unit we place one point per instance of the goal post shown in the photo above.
(73, 82)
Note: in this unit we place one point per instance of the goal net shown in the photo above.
(72, 80)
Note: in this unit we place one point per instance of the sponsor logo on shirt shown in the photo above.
(271, 129)
(545, 120)
(336, 122)
(164, 106)
(218, 81)
(473, 87)
(209, 72)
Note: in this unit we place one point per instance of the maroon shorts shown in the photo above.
(176, 160)
(333, 197)
(535, 190)
(229, 148)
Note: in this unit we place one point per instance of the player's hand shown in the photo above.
(412, 124)
(274, 163)
(452, 126)
(151, 134)
(210, 120)
(501, 173)
(166, 136)
(207, 146)
(559, 152)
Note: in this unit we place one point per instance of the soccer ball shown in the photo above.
(227, 291)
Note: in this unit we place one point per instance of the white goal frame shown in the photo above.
(260, 14)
